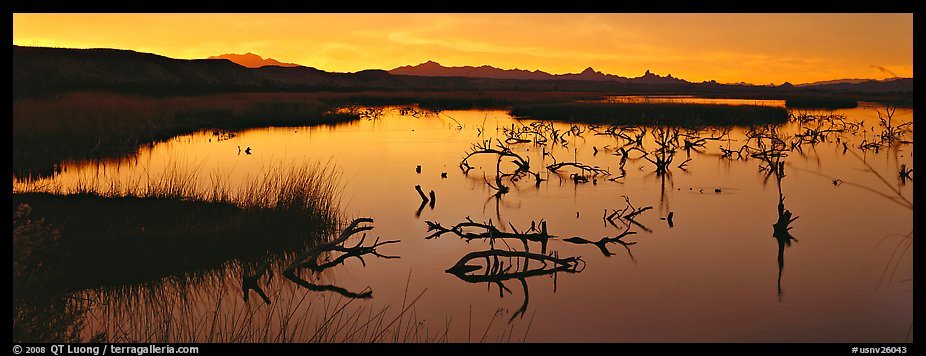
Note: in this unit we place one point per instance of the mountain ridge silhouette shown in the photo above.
(431, 68)
(43, 70)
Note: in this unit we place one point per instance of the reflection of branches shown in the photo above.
(899, 200)
(459, 126)
(900, 197)
(906, 241)
(365, 293)
(309, 259)
(250, 280)
(496, 270)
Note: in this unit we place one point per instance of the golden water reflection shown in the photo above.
(711, 275)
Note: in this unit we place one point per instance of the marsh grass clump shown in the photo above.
(39, 313)
(167, 226)
(131, 237)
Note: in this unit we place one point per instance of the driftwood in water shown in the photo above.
(485, 147)
(695, 141)
(781, 231)
(500, 189)
(602, 243)
(667, 140)
(628, 214)
(424, 198)
(537, 178)
(584, 167)
(356, 251)
(495, 269)
(309, 259)
(488, 231)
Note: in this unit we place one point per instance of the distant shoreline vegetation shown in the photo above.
(79, 104)
(92, 125)
(101, 125)
(687, 115)
(821, 103)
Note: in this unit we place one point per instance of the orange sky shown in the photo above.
(755, 48)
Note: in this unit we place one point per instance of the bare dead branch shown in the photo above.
(604, 241)
(488, 231)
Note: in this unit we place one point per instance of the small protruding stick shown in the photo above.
(669, 218)
(431, 194)
(424, 198)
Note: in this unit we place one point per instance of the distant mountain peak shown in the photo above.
(252, 60)
(434, 69)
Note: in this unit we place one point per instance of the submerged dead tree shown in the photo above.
(310, 258)
(585, 173)
(602, 243)
(485, 147)
(501, 151)
(627, 214)
(667, 140)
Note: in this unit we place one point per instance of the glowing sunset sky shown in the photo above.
(755, 48)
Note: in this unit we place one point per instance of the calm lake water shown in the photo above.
(712, 276)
